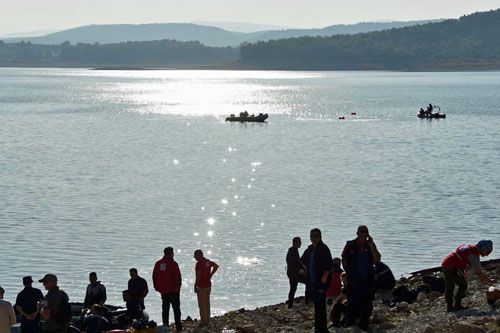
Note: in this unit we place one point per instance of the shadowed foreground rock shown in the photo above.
(427, 314)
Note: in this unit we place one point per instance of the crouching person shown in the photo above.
(454, 267)
(134, 310)
(96, 321)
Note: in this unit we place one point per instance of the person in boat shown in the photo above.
(96, 320)
(429, 109)
(454, 267)
(421, 112)
(244, 114)
(134, 310)
(96, 292)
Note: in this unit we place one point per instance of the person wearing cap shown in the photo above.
(7, 315)
(26, 305)
(96, 292)
(454, 267)
(204, 270)
(51, 304)
(358, 259)
(167, 280)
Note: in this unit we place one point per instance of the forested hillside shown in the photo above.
(472, 41)
(185, 32)
(164, 53)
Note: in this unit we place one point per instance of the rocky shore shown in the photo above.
(426, 314)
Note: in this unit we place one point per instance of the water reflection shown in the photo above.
(246, 261)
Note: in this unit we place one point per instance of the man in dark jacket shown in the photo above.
(26, 305)
(295, 270)
(358, 258)
(318, 261)
(138, 287)
(52, 306)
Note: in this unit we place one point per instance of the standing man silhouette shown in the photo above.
(167, 281)
(205, 269)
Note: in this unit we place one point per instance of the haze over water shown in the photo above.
(100, 170)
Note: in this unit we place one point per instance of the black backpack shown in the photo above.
(64, 313)
(403, 294)
(435, 283)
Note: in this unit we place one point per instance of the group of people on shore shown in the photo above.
(323, 274)
(52, 313)
(350, 282)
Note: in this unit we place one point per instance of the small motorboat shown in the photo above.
(427, 114)
(245, 117)
(431, 115)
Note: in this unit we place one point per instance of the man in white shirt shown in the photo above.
(7, 315)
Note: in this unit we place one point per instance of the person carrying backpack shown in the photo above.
(54, 308)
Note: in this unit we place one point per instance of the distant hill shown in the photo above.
(207, 35)
(241, 26)
(26, 34)
(339, 29)
(119, 33)
(469, 42)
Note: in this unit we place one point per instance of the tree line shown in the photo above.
(162, 53)
(469, 42)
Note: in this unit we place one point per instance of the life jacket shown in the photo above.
(349, 256)
(460, 258)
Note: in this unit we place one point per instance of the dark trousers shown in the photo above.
(337, 314)
(294, 280)
(319, 298)
(30, 326)
(174, 299)
(359, 304)
(454, 277)
(61, 329)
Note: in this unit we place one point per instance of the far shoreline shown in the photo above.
(248, 68)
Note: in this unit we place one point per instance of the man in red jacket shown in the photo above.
(204, 269)
(454, 267)
(167, 281)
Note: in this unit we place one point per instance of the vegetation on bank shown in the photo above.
(471, 42)
(163, 53)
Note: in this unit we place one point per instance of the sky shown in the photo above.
(33, 15)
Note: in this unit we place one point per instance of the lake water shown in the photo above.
(100, 170)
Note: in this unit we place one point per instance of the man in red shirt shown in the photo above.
(205, 269)
(454, 267)
(167, 281)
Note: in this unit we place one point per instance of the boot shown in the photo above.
(458, 307)
(450, 307)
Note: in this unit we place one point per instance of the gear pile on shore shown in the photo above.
(426, 314)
